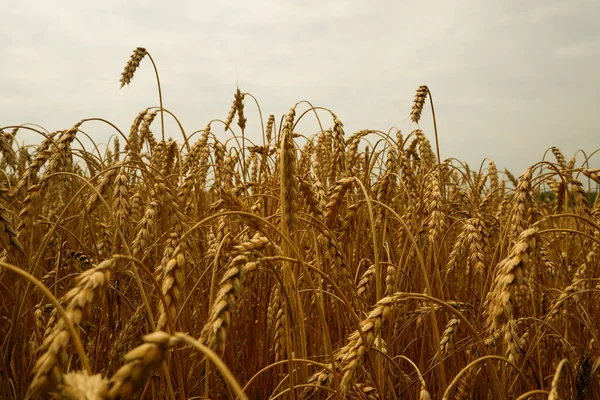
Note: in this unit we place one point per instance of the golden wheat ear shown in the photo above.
(132, 65)
(139, 365)
(79, 385)
(419, 102)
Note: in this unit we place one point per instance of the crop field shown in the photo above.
(291, 265)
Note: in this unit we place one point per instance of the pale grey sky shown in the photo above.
(509, 78)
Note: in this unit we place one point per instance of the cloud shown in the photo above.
(509, 78)
(586, 49)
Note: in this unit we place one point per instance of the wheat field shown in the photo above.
(304, 265)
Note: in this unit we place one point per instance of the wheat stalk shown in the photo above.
(48, 368)
(140, 363)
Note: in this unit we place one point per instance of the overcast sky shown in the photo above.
(509, 78)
